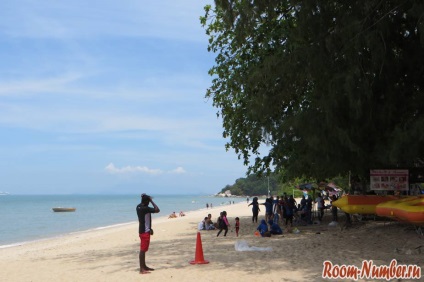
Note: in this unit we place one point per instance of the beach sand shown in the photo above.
(111, 254)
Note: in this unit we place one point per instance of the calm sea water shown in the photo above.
(30, 217)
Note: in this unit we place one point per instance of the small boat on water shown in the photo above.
(59, 209)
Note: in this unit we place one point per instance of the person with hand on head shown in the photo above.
(144, 213)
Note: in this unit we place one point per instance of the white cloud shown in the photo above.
(131, 169)
(112, 169)
(89, 83)
(178, 170)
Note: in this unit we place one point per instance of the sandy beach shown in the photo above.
(111, 254)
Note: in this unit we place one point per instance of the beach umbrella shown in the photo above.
(305, 186)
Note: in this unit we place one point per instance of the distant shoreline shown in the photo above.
(125, 214)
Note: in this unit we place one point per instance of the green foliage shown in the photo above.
(329, 86)
(254, 185)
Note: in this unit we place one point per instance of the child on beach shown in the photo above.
(237, 225)
(223, 223)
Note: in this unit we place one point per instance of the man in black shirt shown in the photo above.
(144, 213)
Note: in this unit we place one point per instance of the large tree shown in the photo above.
(328, 86)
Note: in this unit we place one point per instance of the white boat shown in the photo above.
(60, 209)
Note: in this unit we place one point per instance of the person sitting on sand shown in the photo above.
(182, 213)
(172, 215)
(208, 223)
(274, 228)
(263, 229)
(201, 225)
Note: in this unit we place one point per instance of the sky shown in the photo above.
(108, 97)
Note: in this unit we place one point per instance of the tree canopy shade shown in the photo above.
(328, 86)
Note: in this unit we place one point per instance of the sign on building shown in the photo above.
(389, 179)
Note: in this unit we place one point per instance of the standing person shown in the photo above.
(320, 206)
(277, 209)
(334, 208)
(289, 206)
(207, 205)
(223, 224)
(309, 209)
(275, 205)
(237, 225)
(268, 209)
(302, 203)
(281, 208)
(144, 213)
(255, 209)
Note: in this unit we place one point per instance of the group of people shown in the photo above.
(174, 215)
(267, 229)
(269, 225)
(206, 223)
(286, 208)
(304, 209)
(222, 224)
(321, 206)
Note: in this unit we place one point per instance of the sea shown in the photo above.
(26, 218)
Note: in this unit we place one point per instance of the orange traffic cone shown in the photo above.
(198, 259)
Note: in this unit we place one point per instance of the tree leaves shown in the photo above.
(329, 86)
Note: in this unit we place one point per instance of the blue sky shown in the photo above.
(108, 97)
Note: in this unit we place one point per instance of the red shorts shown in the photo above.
(144, 241)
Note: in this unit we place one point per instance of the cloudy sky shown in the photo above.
(108, 97)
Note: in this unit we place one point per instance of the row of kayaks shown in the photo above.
(402, 208)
